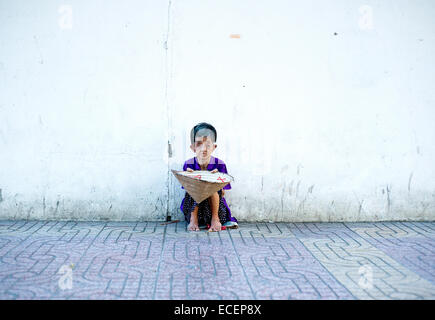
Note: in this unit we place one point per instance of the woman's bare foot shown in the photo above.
(215, 224)
(193, 225)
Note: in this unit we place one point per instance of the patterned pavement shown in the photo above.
(148, 260)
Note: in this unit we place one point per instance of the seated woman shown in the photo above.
(214, 210)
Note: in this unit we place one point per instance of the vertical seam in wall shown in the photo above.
(167, 75)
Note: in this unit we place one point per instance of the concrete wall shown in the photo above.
(324, 109)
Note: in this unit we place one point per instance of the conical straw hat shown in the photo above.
(201, 184)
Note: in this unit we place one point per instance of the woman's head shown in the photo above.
(203, 141)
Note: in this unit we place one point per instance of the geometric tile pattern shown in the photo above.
(150, 260)
(348, 256)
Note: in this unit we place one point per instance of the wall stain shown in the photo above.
(28, 212)
(409, 181)
(297, 187)
(282, 200)
(424, 207)
(360, 207)
(57, 206)
(299, 168)
(388, 197)
(169, 150)
(310, 189)
(290, 189)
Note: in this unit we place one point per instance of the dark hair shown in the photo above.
(203, 125)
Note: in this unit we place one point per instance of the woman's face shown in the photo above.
(203, 148)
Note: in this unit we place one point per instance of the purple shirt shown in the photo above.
(214, 163)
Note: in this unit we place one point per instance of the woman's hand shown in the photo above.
(189, 170)
(214, 171)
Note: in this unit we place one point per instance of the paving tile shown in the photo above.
(153, 260)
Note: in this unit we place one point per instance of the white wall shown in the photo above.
(313, 125)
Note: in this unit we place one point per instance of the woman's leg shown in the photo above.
(214, 204)
(193, 225)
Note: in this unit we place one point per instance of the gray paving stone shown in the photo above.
(150, 260)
